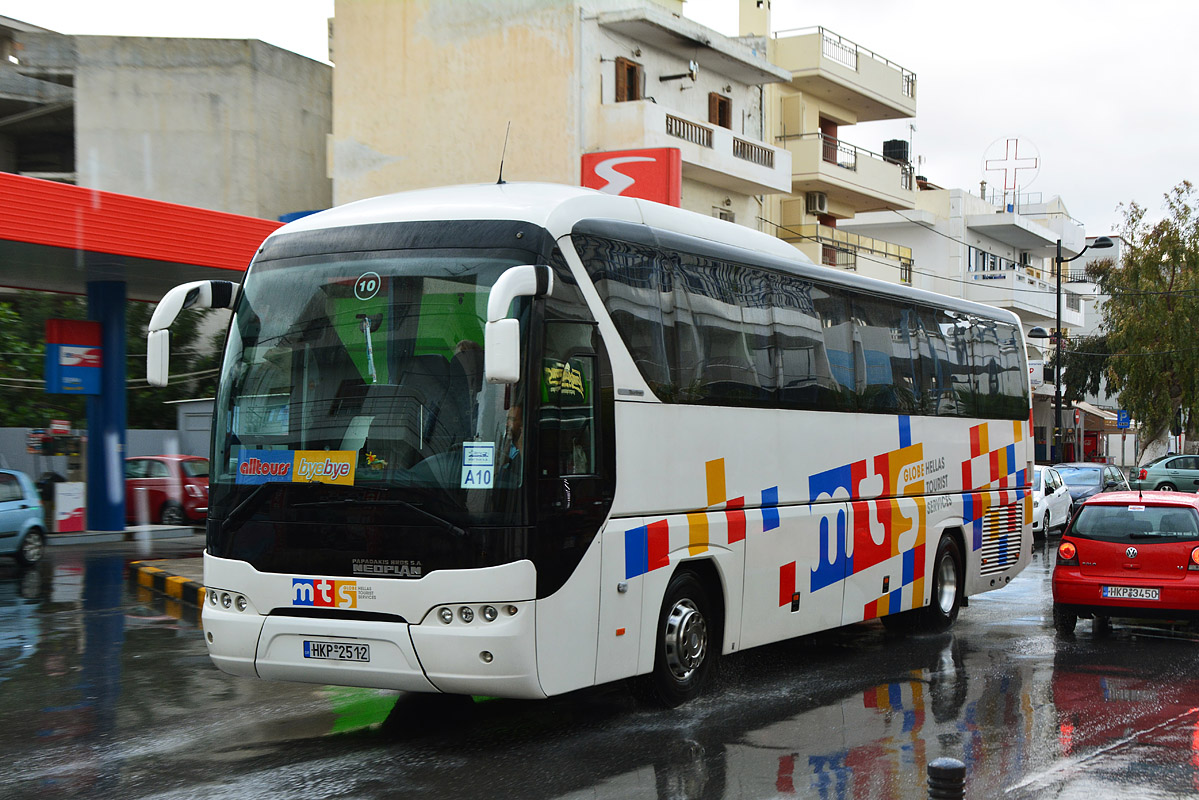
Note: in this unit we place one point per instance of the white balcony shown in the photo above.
(710, 154)
(851, 176)
(1033, 299)
(835, 69)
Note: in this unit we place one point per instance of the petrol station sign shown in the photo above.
(73, 356)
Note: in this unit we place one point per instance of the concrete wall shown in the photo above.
(426, 89)
(233, 125)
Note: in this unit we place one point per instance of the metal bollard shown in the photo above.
(946, 779)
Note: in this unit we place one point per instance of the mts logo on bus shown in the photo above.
(324, 593)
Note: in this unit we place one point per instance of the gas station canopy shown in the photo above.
(55, 237)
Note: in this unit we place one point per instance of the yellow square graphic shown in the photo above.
(325, 466)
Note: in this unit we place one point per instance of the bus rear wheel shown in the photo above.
(686, 646)
(946, 599)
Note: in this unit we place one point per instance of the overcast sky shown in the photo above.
(1102, 92)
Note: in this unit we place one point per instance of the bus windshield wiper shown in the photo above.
(254, 494)
(348, 501)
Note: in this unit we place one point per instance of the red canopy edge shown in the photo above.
(61, 215)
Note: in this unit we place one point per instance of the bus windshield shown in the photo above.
(363, 372)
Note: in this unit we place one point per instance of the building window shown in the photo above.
(724, 214)
(629, 78)
(720, 110)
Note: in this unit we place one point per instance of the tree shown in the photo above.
(1085, 363)
(24, 402)
(1151, 315)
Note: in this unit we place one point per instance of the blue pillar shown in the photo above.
(106, 412)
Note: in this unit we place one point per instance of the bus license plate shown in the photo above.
(1130, 593)
(336, 651)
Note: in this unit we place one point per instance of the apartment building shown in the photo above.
(431, 93)
(835, 86)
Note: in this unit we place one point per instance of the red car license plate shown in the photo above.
(337, 651)
(1131, 593)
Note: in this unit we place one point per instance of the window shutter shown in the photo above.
(622, 80)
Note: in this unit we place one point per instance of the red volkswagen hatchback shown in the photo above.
(172, 490)
(1129, 554)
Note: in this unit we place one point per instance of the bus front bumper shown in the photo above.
(496, 658)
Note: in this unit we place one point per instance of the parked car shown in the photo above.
(1085, 479)
(1129, 554)
(22, 518)
(1172, 473)
(171, 490)
(1051, 502)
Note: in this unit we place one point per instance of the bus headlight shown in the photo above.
(446, 615)
(212, 597)
(489, 613)
(226, 599)
(242, 603)
(466, 613)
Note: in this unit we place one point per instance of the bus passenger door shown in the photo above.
(575, 481)
(795, 569)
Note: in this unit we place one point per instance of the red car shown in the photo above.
(1129, 554)
(171, 490)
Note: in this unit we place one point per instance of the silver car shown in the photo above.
(22, 518)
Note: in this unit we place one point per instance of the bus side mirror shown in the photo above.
(198, 294)
(501, 335)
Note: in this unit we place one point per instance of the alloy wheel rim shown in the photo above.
(686, 639)
(32, 547)
(947, 583)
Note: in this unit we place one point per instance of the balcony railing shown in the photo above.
(841, 249)
(754, 153)
(688, 131)
(841, 50)
(846, 156)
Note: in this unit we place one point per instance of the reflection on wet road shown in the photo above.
(109, 693)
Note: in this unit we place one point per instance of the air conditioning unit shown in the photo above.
(817, 203)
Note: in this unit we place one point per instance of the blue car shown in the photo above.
(22, 519)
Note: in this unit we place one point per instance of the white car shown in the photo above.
(1051, 503)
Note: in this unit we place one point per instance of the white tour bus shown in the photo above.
(519, 439)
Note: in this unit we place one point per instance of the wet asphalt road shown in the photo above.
(108, 692)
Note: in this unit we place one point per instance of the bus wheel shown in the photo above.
(946, 598)
(686, 649)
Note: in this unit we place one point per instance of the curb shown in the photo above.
(142, 573)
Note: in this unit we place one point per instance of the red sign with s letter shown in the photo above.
(655, 174)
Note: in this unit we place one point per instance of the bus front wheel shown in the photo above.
(686, 645)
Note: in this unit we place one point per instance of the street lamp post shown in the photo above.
(1101, 243)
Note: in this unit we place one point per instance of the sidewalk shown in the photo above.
(180, 578)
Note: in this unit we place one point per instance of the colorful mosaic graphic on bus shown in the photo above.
(851, 544)
(298, 466)
(647, 548)
(987, 470)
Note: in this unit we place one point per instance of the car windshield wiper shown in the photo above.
(348, 501)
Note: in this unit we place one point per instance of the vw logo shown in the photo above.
(1131, 552)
